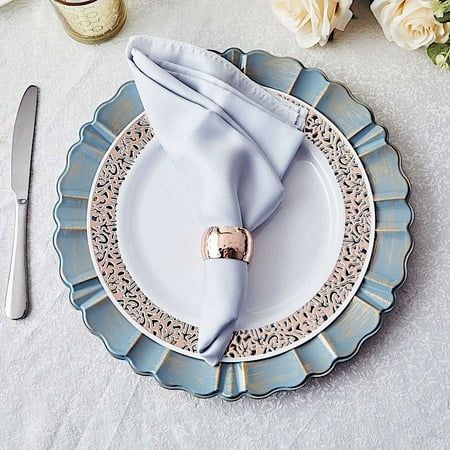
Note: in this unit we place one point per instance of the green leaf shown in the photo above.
(439, 54)
(444, 19)
(441, 10)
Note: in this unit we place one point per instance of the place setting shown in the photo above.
(230, 223)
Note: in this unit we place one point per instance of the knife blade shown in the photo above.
(16, 306)
(22, 143)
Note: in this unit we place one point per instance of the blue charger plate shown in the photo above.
(257, 379)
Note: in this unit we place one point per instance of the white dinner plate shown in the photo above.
(310, 256)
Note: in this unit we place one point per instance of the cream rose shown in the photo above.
(410, 23)
(312, 21)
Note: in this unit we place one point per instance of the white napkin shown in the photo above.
(231, 141)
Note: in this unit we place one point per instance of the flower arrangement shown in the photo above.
(411, 24)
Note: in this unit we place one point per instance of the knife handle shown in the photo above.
(17, 291)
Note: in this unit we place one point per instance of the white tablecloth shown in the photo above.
(59, 386)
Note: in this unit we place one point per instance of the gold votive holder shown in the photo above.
(91, 21)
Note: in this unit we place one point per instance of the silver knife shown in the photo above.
(22, 146)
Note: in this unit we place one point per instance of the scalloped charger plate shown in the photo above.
(251, 368)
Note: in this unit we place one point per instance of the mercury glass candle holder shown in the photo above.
(91, 21)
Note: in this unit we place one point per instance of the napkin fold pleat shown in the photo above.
(231, 142)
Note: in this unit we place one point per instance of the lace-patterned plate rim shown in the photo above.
(361, 319)
(252, 344)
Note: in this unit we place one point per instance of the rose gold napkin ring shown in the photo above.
(227, 242)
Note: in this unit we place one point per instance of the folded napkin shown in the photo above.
(231, 141)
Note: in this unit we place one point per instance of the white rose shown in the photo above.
(410, 23)
(312, 21)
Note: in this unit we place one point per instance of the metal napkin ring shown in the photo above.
(227, 242)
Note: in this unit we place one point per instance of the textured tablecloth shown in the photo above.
(59, 386)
